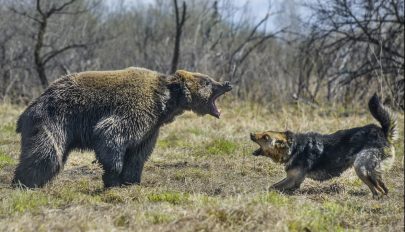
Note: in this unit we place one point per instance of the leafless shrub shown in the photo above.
(347, 50)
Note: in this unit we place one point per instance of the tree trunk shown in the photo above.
(39, 64)
(179, 30)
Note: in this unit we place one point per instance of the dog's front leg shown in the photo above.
(293, 180)
(284, 184)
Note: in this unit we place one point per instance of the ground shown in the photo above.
(203, 177)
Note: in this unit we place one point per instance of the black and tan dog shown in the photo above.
(321, 157)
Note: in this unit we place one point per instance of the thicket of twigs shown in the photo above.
(345, 50)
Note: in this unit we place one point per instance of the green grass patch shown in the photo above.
(172, 141)
(355, 183)
(195, 131)
(191, 173)
(113, 196)
(8, 128)
(229, 217)
(330, 216)
(273, 198)
(174, 198)
(122, 221)
(6, 160)
(221, 147)
(159, 218)
(22, 201)
(219, 214)
(74, 193)
(205, 200)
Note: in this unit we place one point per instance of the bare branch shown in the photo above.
(47, 57)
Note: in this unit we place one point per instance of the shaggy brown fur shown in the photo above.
(115, 113)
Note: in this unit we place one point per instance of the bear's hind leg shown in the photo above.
(40, 160)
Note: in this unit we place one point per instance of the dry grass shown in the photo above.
(201, 176)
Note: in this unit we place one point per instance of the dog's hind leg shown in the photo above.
(381, 183)
(367, 167)
(376, 179)
(362, 174)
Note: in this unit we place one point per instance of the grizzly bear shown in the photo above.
(115, 113)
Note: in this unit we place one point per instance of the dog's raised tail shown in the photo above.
(386, 118)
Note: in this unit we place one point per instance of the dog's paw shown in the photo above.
(281, 190)
(379, 196)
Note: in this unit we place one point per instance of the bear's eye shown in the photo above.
(266, 137)
(206, 82)
(279, 143)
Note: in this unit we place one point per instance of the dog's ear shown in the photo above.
(290, 137)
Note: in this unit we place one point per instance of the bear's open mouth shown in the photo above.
(219, 91)
(215, 111)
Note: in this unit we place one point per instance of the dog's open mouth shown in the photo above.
(258, 152)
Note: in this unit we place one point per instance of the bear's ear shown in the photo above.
(184, 75)
(186, 92)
